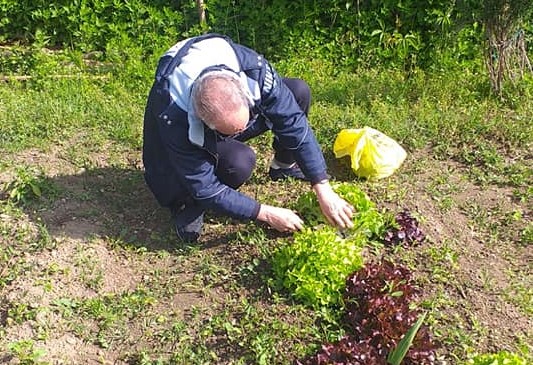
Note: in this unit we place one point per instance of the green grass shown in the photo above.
(85, 252)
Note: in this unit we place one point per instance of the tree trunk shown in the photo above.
(201, 11)
(505, 49)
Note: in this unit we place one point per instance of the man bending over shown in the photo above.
(210, 95)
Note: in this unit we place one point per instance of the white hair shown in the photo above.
(217, 96)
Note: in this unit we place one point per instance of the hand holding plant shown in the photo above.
(281, 219)
(336, 210)
(365, 217)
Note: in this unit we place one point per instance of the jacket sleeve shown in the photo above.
(291, 126)
(195, 169)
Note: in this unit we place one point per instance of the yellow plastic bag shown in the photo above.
(374, 155)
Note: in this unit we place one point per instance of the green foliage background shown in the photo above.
(396, 33)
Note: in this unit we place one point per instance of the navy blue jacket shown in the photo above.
(179, 151)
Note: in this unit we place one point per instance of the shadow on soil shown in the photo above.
(108, 202)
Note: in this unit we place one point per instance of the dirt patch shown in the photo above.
(480, 284)
(72, 268)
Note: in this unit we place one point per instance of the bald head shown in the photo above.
(219, 100)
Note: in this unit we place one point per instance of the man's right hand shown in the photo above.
(281, 219)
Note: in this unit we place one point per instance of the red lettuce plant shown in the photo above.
(347, 351)
(377, 301)
(407, 231)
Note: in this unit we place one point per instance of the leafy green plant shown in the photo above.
(314, 266)
(367, 220)
(26, 353)
(28, 185)
(500, 358)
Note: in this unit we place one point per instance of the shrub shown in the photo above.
(90, 24)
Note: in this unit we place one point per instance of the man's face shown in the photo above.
(233, 123)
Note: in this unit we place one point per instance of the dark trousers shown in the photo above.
(236, 160)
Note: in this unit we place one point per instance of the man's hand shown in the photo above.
(281, 219)
(337, 211)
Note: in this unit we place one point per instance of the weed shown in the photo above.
(519, 292)
(26, 352)
(21, 312)
(526, 236)
(442, 189)
(90, 268)
(29, 184)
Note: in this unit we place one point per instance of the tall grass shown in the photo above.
(439, 109)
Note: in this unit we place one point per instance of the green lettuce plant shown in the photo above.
(315, 265)
(367, 219)
(500, 358)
